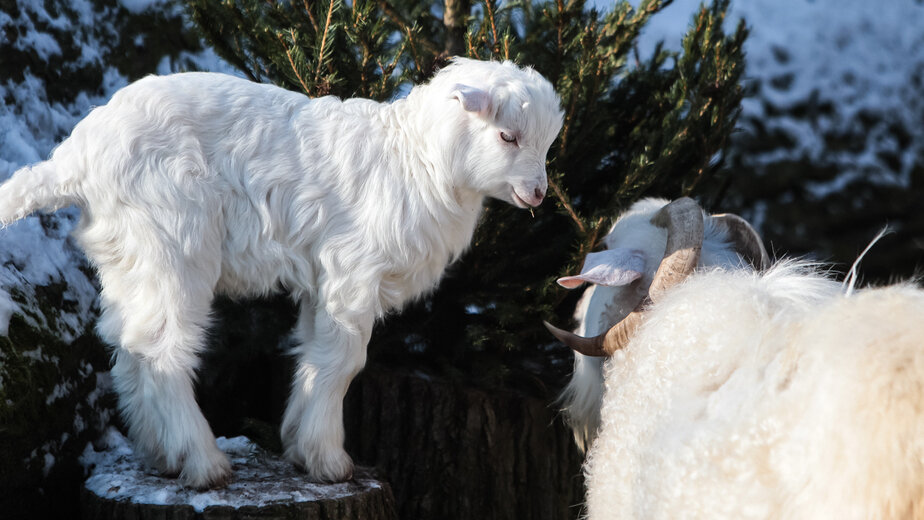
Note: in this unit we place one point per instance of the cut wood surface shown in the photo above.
(263, 486)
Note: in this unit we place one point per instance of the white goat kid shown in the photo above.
(737, 394)
(620, 277)
(196, 184)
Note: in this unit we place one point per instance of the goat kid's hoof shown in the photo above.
(216, 474)
(328, 475)
(325, 470)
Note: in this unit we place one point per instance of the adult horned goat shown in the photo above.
(778, 394)
(196, 184)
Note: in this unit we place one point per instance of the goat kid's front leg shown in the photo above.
(330, 354)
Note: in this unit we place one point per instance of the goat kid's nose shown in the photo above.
(539, 193)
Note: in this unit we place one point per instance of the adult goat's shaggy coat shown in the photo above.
(196, 184)
(774, 394)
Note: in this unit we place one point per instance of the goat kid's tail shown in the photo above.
(32, 188)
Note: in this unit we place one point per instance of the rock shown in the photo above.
(263, 486)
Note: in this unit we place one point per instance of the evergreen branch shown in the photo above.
(590, 240)
(215, 36)
(288, 51)
(314, 23)
(563, 200)
(490, 12)
(321, 47)
(470, 46)
(559, 22)
(393, 15)
(387, 70)
(403, 24)
(358, 24)
(384, 76)
(569, 116)
(414, 53)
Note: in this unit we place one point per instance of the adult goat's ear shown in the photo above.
(612, 267)
(472, 99)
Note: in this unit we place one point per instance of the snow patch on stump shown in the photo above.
(260, 479)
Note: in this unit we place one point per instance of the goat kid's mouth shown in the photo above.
(526, 201)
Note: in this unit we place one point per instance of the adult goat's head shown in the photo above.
(683, 221)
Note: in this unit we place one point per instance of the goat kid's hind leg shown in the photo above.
(165, 424)
(158, 315)
(329, 356)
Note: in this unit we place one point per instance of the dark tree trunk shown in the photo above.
(452, 452)
(454, 18)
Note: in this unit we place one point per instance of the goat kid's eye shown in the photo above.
(508, 138)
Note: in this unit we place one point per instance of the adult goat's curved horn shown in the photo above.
(602, 345)
(745, 239)
(683, 220)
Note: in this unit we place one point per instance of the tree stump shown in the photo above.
(454, 452)
(263, 486)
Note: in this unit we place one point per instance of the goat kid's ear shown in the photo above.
(473, 99)
(611, 267)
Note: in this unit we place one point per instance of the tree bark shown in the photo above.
(454, 13)
(452, 452)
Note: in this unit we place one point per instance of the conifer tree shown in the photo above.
(634, 126)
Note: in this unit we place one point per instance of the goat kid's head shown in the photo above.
(684, 223)
(507, 118)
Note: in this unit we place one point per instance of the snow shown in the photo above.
(49, 463)
(43, 43)
(864, 60)
(33, 253)
(6, 312)
(138, 6)
(60, 390)
(260, 478)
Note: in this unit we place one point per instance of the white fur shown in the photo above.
(761, 395)
(600, 306)
(765, 396)
(196, 184)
